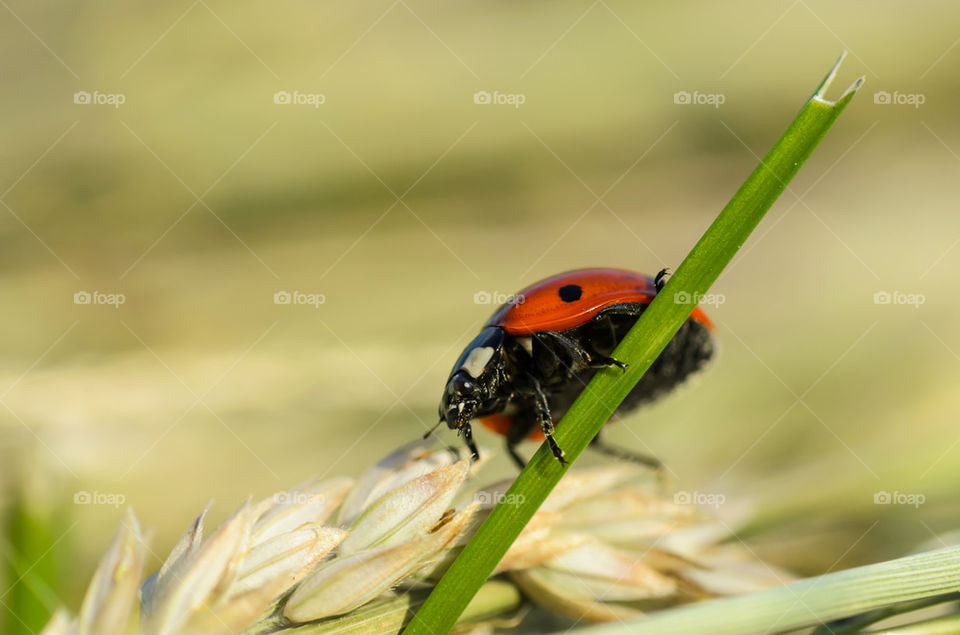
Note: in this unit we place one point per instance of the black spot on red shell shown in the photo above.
(571, 292)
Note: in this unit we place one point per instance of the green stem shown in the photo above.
(857, 623)
(809, 602)
(641, 346)
(948, 625)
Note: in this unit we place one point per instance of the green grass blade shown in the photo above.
(639, 349)
(31, 533)
(811, 601)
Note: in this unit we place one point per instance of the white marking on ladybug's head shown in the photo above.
(477, 360)
(527, 344)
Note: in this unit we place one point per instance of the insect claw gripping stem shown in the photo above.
(556, 449)
(606, 362)
(546, 426)
(661, 279)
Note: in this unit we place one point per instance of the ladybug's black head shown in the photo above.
(475, 380)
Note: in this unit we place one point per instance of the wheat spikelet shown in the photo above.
(607, 544)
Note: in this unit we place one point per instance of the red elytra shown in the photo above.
(540, 307)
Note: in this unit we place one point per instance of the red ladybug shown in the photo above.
(536, 353)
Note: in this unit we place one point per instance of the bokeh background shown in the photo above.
(404, 204)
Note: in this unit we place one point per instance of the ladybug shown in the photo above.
(537, 352)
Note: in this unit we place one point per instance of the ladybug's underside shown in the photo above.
(557, 363)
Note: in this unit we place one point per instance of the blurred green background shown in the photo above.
(400, 198)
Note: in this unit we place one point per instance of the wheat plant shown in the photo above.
(346, 556)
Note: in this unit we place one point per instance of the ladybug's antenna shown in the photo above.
(430, 431)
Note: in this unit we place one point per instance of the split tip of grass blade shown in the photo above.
(848, 94)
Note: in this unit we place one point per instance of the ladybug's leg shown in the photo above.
(626, 455)
(519, 431)
(608, 328)
(528, 386)
(512, 451)
(580, 358)
(468, 439)
(605, 362)
(573, 356)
